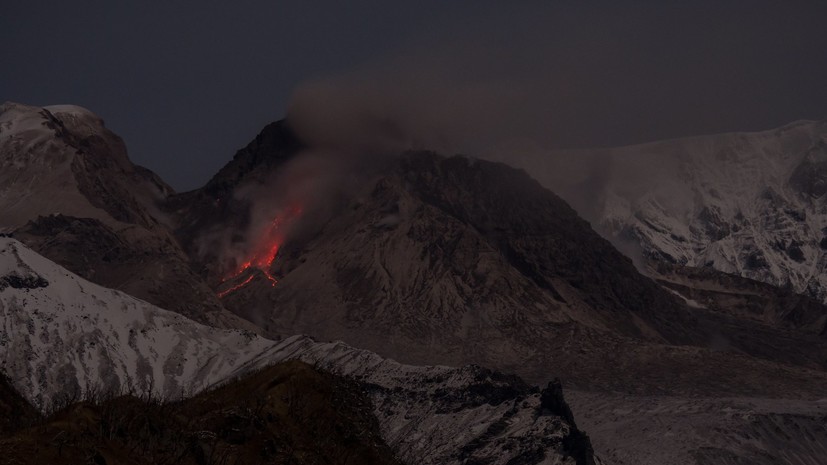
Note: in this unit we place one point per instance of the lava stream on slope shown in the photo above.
(263, 253)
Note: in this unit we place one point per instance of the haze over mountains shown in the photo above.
(429, 260)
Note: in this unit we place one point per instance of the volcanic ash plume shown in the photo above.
(288, 207)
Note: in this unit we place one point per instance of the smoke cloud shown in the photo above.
(286, 207)
(409, 106)
(530, 85)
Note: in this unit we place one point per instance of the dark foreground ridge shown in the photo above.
(576, 444)
(288, 413)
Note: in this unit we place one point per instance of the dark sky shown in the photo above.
(188, 83)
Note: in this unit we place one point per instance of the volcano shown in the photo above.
(424, 258)
(452, 260)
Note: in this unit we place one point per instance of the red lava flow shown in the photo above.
(264, 252)
(236, 287)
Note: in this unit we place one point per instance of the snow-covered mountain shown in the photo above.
(64, 335)
(751, 204)
(50, 160)
(69, 190)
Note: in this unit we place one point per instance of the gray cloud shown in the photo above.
(557, 75)
(531, 85)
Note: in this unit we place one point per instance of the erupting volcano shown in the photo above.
(263, 252)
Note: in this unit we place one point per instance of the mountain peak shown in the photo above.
(69, 190)
(274, 145)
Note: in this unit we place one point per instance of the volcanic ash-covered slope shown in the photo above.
(63, 335)
(203, 210)
(751, 204)
(68, 189)
(452, 260)
(439, 256)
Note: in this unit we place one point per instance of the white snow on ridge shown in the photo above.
(134, 344)
(71, 110)
(36, 175)
(20, 122)
(87, 335)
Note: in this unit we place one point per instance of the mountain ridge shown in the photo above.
(62, 335)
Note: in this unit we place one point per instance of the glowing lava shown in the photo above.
(236, 287)
(264, 251)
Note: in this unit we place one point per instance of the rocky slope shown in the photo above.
(220, 202)
(419, 256)
(453, 260)
(744, 298)
(68, 189)
(62, 335)
(645, 430)
(456, 260)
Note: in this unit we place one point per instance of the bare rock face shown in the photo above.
(70, 192)
(63, 160)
